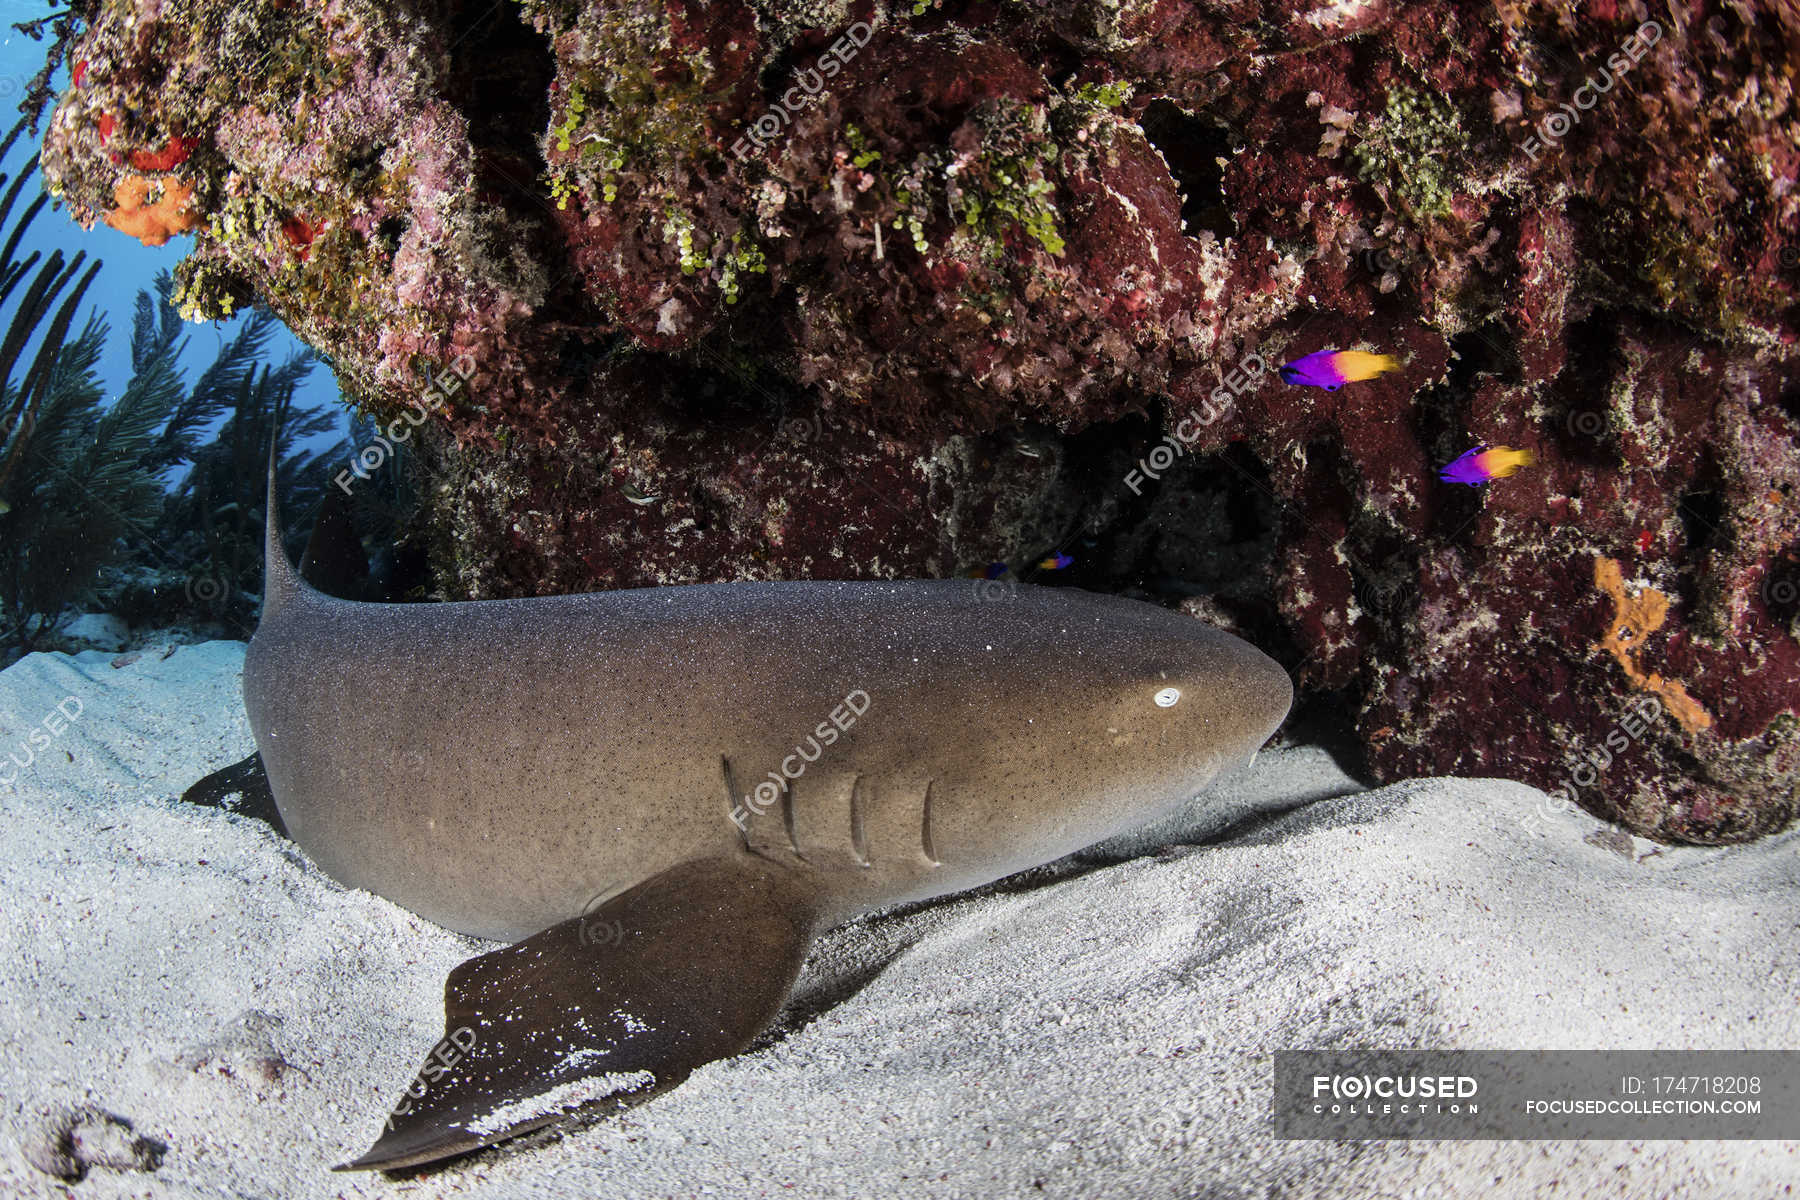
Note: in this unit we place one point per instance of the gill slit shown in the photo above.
(787, 816)
(731, 804)
(859, 840)
(925, 836)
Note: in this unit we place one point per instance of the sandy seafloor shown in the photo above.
(1104, 1030)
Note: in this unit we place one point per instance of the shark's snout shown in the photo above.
(1217, 699)
(1168, 704)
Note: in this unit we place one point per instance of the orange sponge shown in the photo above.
(152, 224)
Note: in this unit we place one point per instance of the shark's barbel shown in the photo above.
(663, 794)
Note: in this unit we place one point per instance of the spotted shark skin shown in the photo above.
(521, 769)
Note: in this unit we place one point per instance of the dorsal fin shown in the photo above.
(280, 583)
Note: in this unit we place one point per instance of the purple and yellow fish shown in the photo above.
(1055, 562)
(1478, 466)
(1332, 369)
(993, 570)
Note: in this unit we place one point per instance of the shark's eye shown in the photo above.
(1167, 697)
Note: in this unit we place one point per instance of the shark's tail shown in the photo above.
(280, 582)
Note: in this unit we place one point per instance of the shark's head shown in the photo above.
(1105, 715)
(1164, 705)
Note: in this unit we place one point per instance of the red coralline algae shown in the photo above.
(167, 159)
(301, 233)
(850, 290)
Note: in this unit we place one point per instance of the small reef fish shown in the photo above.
(636, 497)
(1332, 369)
(993, 570)
(1055, 562)
(1478, 466)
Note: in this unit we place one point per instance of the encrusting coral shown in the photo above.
(867, 289)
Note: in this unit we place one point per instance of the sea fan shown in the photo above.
(70, 483)
(81, 482)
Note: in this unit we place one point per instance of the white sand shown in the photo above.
(1103, 1031)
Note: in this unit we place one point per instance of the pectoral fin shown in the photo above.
(683, 969)
(246, 780)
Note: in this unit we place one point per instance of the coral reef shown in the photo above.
(868, 289)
